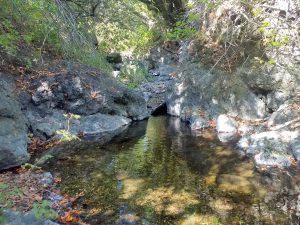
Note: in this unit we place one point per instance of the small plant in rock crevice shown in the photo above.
(66, 135)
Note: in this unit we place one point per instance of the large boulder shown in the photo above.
(271, 148)
(99, 126)
(45, 123)
(82, 90)
(277, 84)
(13, 132)
(286, 116)
(212, 94)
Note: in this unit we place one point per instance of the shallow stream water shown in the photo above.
(160, 172)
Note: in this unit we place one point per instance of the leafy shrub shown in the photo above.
(134, 72)
(181, 31)
(128, 27)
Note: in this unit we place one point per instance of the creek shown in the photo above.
(160, 172)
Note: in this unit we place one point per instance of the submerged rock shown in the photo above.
(17, 218)
(13, 132)
(234, 183)
(273, 159)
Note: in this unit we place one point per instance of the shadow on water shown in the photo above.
(160, 172)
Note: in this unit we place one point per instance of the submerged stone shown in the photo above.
(228, 182)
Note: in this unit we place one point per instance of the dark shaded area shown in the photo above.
(161, 110)
(171, 10)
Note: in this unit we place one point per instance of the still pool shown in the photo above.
(160, 172)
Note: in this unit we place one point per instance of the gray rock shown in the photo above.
(275, 99)
(17, 218)
(277, 83)
(227, 137)
(295, 147)
(270, 148)
(245, 129)
(195, 118)
(226, 124)
(13, 132)
(270, 141)
(285, 113)
(44, 124)
(213, 93)
(272, 159)
(154, 94)
(197, 122)
(244, 143)
(47, 178)
(166, 70)
(99, 125)
(86, 91)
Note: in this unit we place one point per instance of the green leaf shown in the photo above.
(276, 44)
(271, 62)
(3, 186)
(265, 24)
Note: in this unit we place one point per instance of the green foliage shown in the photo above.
(6, 193)
(181, 31)
(210, 4)
(26, 21)
(2, 219)
(39, 25)
(8, 36)
(67, 136)
(128, 27)
(29, 166)
(43, 210)
(134, 73)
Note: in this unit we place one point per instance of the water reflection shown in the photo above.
(159, 172)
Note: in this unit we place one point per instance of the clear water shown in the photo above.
(159, 172)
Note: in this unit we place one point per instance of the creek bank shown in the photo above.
(13, 133)
(17, 218)
(259, 106)
(203, 99)
(62, 95)
(32, 197)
